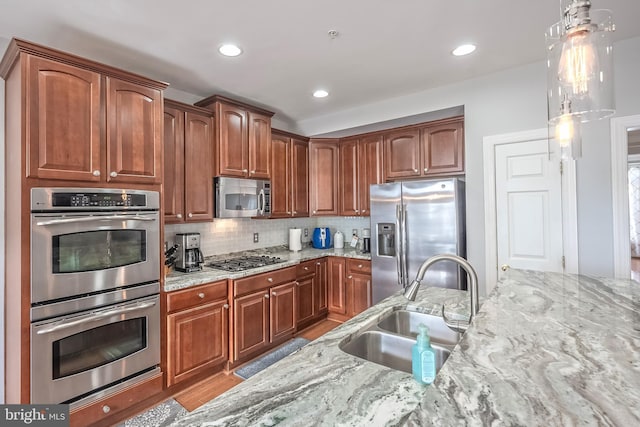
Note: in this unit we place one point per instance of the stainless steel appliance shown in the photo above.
(189, 256)
(244, 263)
(95, 310)
(242, 198)
(92, 240)
(410, 222)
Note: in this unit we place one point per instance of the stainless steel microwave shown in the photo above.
(242, 198)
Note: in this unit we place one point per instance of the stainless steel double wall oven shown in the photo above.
(95, 308)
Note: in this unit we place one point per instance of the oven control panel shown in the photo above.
(84, 199)
(77, 200)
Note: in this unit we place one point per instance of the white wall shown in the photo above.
(510, 101)
(2, 266)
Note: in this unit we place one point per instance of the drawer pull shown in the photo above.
(266, 296)
(201, 295)
(274, 294)
(349, 277)
(106, 409)
(359, 265)
(317, 263)
(306, 268)
(270, 280)
(226, 306)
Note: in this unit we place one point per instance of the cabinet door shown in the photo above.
(282, 307)
(320, 289)
(443, 149)
(358, 293)
(233, 141)
(337, 294)
(348, 185)
(280, 176)
(259, 146)
(305, 299)
(64, 118)
(198, 175)
(196, 340)
(402, 154)
(250, 324)
(370, 169)
(173, 177)
(323, 177)
(299, 178)
(134, 133)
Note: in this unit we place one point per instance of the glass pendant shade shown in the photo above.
(580, 65)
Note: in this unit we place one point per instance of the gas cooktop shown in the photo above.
(244, 263)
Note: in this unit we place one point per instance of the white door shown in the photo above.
(528, 184)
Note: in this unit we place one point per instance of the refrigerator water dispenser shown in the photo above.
(386, 239)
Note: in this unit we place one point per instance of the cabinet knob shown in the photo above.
(179, 216)
(314, 212)
(359, 265)
(349, 277)
(266, 296)
(426, 169)
(201, 295)
(244, 170)
(295, 212)
(317, 263)
(306, 268)
(270, 280)
(274, 294)
(106, 409)
(288, 212)
(113, 174)
(357, 211)
(415, 170)
(190, 215)
(226, 306)
(364, 210)
(297, 283)
(253, 172)
(96, 173)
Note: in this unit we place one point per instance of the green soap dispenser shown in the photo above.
(423, 358)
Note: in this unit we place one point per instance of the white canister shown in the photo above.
(295, 239)
(338, 240)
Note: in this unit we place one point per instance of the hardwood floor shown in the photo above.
(202, 392)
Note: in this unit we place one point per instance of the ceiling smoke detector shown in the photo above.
(333, 34)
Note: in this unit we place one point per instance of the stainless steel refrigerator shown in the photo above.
(410, 222)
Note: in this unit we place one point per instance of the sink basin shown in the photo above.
(392, 351)
(405, 322)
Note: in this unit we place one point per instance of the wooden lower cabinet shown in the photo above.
(250, 324)
(320, 291)
(349, 287)
(305, 299)
(311, 292)
(197, 331)
(282, 312)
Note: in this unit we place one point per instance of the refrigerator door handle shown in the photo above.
(403, 244)
(398, 244)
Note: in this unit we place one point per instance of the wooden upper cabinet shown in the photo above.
(173, 177)
(259, 146)
(289, 175)
(349, 187)
(402, 154)
(188, 165)
(64, 118)
(299, 178)
(233, 141)
(324, 171)
(442, 149)
(370, 167)
(242, 138)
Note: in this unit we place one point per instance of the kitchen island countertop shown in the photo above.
(546, 349)
(177, 280)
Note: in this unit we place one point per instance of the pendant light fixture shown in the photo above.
(579, 71)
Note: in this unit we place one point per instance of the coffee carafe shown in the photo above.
(189, 256)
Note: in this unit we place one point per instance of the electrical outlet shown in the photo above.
(306, 232)
(355, 232)
(256, 237)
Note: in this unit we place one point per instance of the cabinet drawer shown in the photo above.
(263, 281)
(305, 268)
(358, 266)
(186, 298)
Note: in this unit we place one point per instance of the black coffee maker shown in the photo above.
(189, 257)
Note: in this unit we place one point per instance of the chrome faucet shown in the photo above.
(411, 291)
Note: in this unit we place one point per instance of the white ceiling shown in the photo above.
(385, 48)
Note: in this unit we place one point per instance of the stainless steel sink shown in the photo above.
(405, 322)
(392, 351)
(389, 341)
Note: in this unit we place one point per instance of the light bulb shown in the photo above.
(565, 130)
(578, 63)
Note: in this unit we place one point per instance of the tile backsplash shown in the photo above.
(232, 235)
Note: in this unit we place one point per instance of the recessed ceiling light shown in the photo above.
(464, 49)
(320, 93)
(230, 50)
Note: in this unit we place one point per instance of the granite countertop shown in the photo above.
(177, 280)
(546, 349)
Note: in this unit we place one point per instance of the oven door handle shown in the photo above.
(96, 218)
(95, 316)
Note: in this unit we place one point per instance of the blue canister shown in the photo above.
(321, 238)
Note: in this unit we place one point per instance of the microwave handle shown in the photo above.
(96, 218)
(94, 316)
(261, 202)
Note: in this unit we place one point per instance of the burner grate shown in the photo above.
(244, 263)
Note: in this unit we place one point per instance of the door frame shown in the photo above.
(569, 203)
(620, 193)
